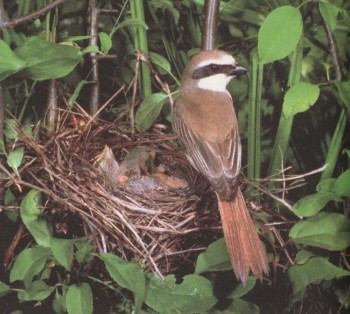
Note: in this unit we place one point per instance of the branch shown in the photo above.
(32, 16)
(333, 51)
(95, 87)
(210, 17)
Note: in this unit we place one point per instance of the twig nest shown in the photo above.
(160, 228)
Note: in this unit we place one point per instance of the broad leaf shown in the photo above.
(329, 13)
(342, 184)
(279, 34)
(38, 291)
(300, 98)
(29, 263)
(4, 289)
(62, 250)
(193, 295)
(46, 60)
(127, 275)
(84, 251)
(15, 158)
(106, 42)
(312, 204)
(312, 272)
(9, 61)
(214, 258)
(79, 299)
(239, 306)
(39, 228)
(162, 64)
(59, 303)
(330, 231)
(243, 289)
(149, 111)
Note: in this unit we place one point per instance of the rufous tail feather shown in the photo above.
(242, 240)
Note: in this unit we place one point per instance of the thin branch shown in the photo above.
(209, 21)
(333, 51)
(32, 16)
(93, 14)
(105, 104)
(52, 105)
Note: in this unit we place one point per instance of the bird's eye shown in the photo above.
(214, 67)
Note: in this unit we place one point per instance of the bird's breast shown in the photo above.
(210, 115)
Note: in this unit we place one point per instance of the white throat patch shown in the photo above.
(215, 83)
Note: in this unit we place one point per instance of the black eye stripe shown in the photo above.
(211, 69)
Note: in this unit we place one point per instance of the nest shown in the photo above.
(160, 230)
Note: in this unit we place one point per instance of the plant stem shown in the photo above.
(285, 124)
(254, 125)
(141, 44)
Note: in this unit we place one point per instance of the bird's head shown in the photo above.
(212, 70)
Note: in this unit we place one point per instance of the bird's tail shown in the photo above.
(242, 241)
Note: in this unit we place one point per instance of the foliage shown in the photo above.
(296, 113)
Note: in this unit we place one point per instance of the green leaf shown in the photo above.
(29, 263)
(10, 129)
(312, 272)
(341, 185)
(9, 61)
(193, 295)
(127, 275)
(4, 289)
(243, 289)
(302, 257)
(38, 291)
(132, 22)
(76, 92)
(330, 231)
(344, 92)
(166, 5)
(329, 13)
(79, 299)
(149, 111)
(46, 60)
(279, 34)
(39, 228)
(89, 49)
(312, 204)
(299, 98)
(162, 64)
(343, 298)
(214, 258)
(59, 303)
(84, 251)
(106, 42)
(62, 250)
(15, 158)
(239, 306)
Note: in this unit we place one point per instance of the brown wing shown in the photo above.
(219, 162)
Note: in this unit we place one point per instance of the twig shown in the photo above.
(105, 105)
(10, 250)
(32, 16)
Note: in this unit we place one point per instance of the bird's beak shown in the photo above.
(238, 70)
(105, 154)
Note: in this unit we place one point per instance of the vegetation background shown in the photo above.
(293, 111)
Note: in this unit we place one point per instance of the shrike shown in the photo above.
(205, 122)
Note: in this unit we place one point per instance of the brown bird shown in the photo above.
(204, 120)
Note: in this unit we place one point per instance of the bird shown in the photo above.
(205, 123)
